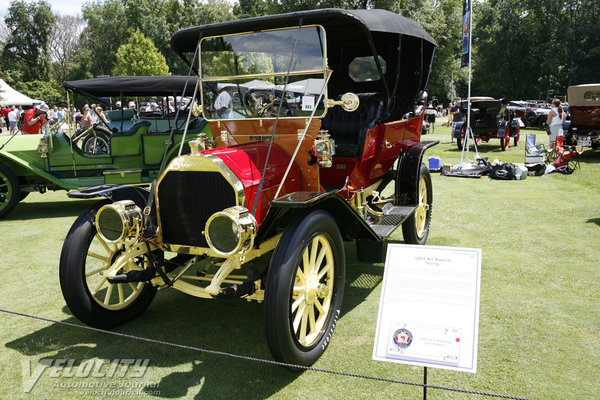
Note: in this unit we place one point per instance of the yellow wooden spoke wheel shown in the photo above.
(416, 228)
(304, 288)
(89, 295)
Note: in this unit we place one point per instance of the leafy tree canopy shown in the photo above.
(139, 56)
(26, 49)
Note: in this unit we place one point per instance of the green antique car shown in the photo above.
(120, 152)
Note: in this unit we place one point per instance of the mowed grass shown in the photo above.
(539, 331)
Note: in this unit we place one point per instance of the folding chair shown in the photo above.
(564, 155)
(533, 153)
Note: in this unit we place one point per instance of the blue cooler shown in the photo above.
(434, 163)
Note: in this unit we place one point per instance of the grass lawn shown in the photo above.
(539, 332)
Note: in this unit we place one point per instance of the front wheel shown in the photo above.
(416, 227)
(10, 190)
(304, 289)
(90, 296)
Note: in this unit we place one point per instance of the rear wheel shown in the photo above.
(89, 295)
(10, 191)
(304, 289)
(416, 228)
(96, 143)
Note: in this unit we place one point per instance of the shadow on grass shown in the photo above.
(594, 221)
(48, 209)
(590, 157)
(227, 325)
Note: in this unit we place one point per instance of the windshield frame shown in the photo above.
(322, 74)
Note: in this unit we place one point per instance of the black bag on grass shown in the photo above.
(564, 169)
(538, 169)
(506, 171)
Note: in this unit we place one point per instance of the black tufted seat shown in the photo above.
(349, 128)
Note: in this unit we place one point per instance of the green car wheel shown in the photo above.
(9, 190)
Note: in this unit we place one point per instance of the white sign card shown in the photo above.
(429, 307)
(308, 103)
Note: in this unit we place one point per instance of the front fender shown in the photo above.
(409, 168)
(139, 195)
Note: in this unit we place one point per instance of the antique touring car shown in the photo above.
(489, 120)
(126, 152)
(584, 127)
(316, 118)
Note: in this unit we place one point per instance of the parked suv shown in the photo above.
(325, 149)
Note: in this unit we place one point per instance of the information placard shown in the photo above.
(429, 307)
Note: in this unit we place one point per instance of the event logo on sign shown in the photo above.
(402, 338)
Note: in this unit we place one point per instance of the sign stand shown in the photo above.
(424, 383)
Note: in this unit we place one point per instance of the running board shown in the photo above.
(392, 218)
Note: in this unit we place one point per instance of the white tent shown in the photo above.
(10, 97)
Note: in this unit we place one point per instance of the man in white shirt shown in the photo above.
(12, 120)
(224, 105)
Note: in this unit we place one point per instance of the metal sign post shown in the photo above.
(466, 61)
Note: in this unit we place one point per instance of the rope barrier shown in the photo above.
(255, 359)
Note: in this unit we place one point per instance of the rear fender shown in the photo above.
(457, 129)
(409, 168)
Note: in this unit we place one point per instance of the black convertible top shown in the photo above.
(332, 19)
(114, 86)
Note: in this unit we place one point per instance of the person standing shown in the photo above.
(556, 119)
(86, 118)
(34, 119)
(12, 120)
(457, 116)
(430, 113)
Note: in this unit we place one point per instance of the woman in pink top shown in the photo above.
(86, 117)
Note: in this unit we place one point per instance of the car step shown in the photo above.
(392, 218)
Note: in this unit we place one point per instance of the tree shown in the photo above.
(49, 91)
(26, 50)
(64, 43)
(139, 56)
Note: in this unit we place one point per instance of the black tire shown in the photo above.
(74, 263)
(416, 227)
(542, 123)
(10, 190)
(96, 143)
(531, 119)
(315, 231)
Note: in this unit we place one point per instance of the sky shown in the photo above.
(63, 7)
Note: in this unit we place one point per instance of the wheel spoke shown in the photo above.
(297, 303)
(311, 320)
(298, 316)
(98, 256)
(102, 281)
(121, 297)
(323, 271)
(313, 253)
(134, 288)
(319, 307)
(108, 294)
(302, 336)
(87, 275)
(305, 264)
(322, 253)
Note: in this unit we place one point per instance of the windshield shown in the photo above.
(243, 76)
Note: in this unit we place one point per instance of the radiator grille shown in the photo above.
(186, 200)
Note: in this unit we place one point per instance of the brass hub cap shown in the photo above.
(313, 291)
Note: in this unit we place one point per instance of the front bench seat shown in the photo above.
(349, 129)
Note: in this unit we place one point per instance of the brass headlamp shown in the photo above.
(231, 231)
(119, 221)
